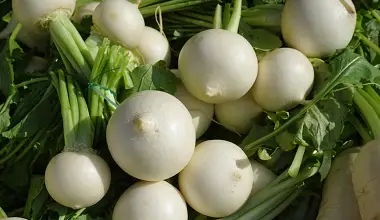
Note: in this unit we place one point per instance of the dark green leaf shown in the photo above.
(37, 198)
(154, 77)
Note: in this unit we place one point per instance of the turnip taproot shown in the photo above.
(120, 21)
(262, 177)
(154, 46)
(238, 115)
(284, 80)
(201, 112)
(318, 28)
(218, 180)
(77, 177)
(84, 11)
(218, 65)
(151, 200)
(338, 197)
(151, 135)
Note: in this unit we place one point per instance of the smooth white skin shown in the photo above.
(338, 197)
(262, 176)
(218, 179)
(284, 80)
(238, 115)
(76, 179)
(84, 11)
(154, 46)
(318, 28)
(120, 21)
(32, 37)
(217, 66)
(30, 13)
(151, 135)
(36, 64)
(201, 112)
(366, 181)
(13, 218)
(151, 200)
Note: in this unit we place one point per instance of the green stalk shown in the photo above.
(368, 43)
(85, 135)
(149, 2)
(198, 16)
(234, 22)
(170, 6)
(297, 161)
(372, 93)
(280, 208)
(226, 15)
(217, 23)
(31, 81)
(2, 213)
(191, 20)
(375, 105)
(14, 151)
(73, 101)
(368, 113)
(272, 191)
(375, 15)
(362, 130)
(267, 206)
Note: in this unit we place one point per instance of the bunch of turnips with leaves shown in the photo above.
(189, 109)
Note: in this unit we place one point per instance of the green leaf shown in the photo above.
(154, 77)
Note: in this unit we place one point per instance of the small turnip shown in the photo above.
(120, 21)
(151, 200)
(338, 197)
(77, 179)
(238, 115)
(217, 66)
(318, 28)
(151, 135)
(218, 180)
(201, 112)
(262, 177)
(84, 11)
(154, 46)
(366, 181)
(284, 80)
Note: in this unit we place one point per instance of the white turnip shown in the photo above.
(338, 197)
(84, 11)
(238, 115)
(120, 21)
(151, 200)
(284, 80)
(151, 135)
(77, 177)
(154, 46)
(201, 112)
(218, 65)
(366, 181)
(218, 180)
(318, 28)
(262, 177)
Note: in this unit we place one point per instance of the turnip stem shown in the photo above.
(191, 20)
(218, 17)
(271, 191)
(234, 22)
(71, 44)
(2, 213)
(368, 113)
(362, 130)
(170, 6)
(375, 15)
(149, 2)
(284, 204)
(372, 93)
(73, 101)
(297, 161)
(368, 43)
(226, 15)
(31, 81)
(14, 151)
(200, 16)
(375, 105)
(266, 207)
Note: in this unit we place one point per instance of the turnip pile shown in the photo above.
(189, 109)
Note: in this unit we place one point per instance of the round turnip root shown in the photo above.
(154, 46)
(77, 179)
(338, 197)
(238, 116)
(217, 66)
(262, 177)
(218, 180)
(318, 28)
(151, 200)
(151, 136)
(284, 80)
